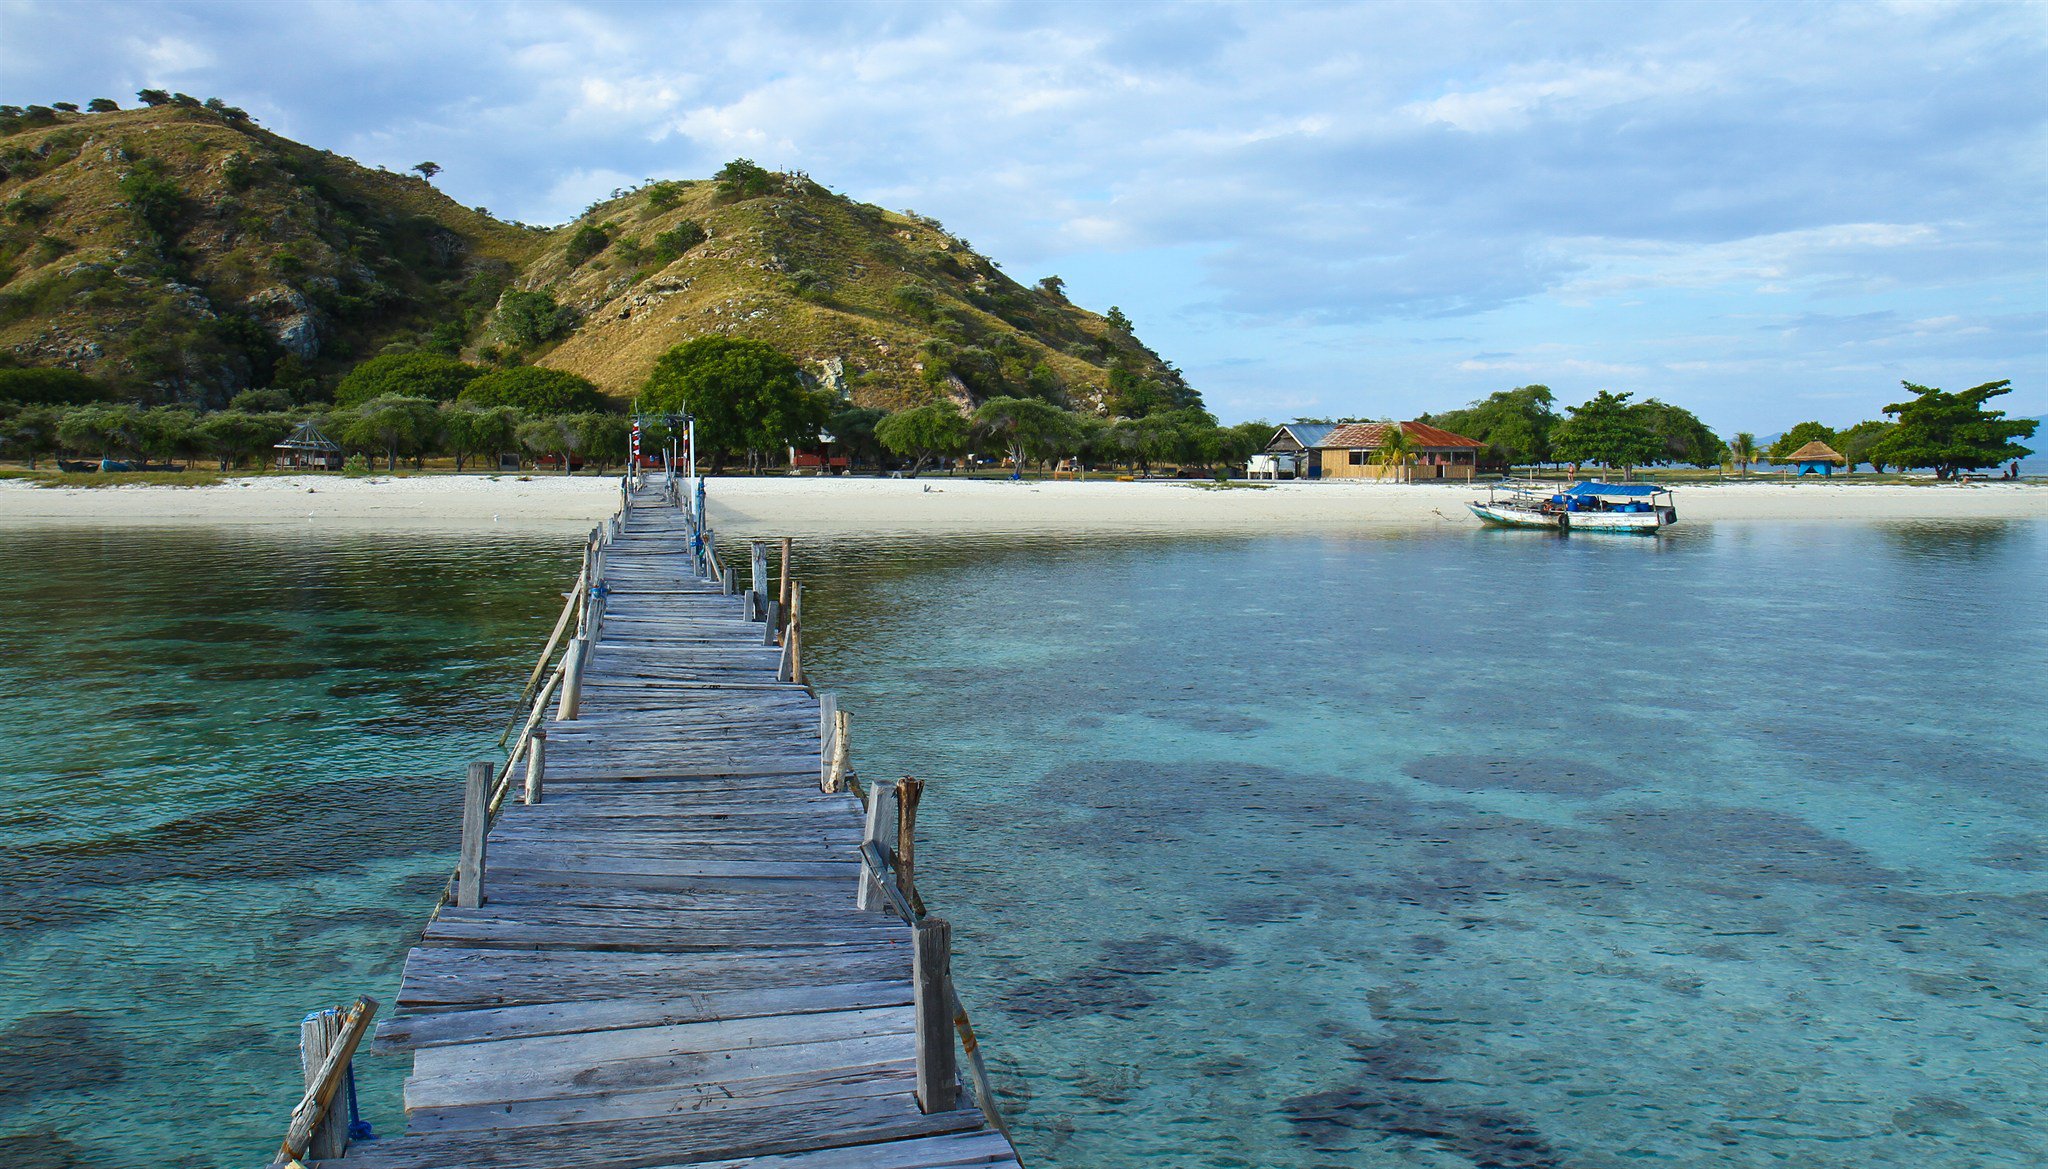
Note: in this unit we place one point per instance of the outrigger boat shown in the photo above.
(1583, 507)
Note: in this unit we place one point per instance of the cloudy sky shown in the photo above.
(1768, 212)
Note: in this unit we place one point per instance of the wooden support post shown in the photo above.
(909, 790)
(828, 726)
(317, 1035)
(842, 753)
(792, 669)
(572, 681)
(536, 763)
(476, 821)
(938, 1072)
(710, 551)
(321, 1091)
(771, 624)
(880, 829)
(782, 588)
(757, 608)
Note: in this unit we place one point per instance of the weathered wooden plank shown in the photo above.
(482, 1026)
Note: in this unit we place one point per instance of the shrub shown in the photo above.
(589, 240)
(102, 105)
(664, 195)
(529, 318)
(155, 198)
(671, 244)
(355, 466)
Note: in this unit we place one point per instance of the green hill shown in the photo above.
(182, 254)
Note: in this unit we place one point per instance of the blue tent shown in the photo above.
(1591, 488)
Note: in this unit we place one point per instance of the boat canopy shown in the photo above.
(1592, 488)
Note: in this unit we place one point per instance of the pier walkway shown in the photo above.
(659, 960)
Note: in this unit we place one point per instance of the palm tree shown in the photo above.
(1743, 449)
(1395, 449)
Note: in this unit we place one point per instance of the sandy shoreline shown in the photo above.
(937, 505)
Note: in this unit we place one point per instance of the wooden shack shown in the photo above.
(1352, 452)
(1288, 453)
(306, 449)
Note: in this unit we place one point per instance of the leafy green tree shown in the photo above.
(30, 432)
(1053, 287)
(470, 430)
(1742, 450)
(51, 387)
(167, 432)
(1025, 428)
(559, 436)
(1605, 431)
(1515, 423)
(745, 395)
(608, 438)
(1132, 395)
(1044, 383)
(1684, 437)
(153, 97)
(1118, 321)
(1952, 432)
(235, 437)
(427, 169)
(853, 427)
(1799, 436)
(410, 375)
(924, 433)
(537, 391)
(1237, 444)
(531, 318)
(741, 179)
(395, 425)
(102, 105)
(1857, 443)
(102, 430)
(267, 401)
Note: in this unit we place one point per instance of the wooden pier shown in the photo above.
(681, 932)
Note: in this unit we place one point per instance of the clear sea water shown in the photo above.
(1474, 849)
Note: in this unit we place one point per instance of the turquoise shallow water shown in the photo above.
(1480, 849)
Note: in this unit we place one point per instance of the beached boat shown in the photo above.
(1641, 509)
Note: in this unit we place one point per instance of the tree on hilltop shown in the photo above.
(1953, 432)
(102, 105)
(153, 97)
(427, 169)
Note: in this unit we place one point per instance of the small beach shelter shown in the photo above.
(307, 447)
(1816, 458)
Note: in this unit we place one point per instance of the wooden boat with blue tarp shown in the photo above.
(1631, 508)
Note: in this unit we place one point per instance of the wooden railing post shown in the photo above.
(792, 667)
(909, 790)
(879, 829)
(476, 821)
(536, 763)
(320, 1091)
(782, 588)
(757, 603)
(938, 1072)
(572, 680)
(828, 727)
(842, 753)
(317, 1035)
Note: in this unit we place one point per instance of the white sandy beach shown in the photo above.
(851, 506)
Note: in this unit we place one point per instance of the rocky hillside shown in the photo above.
(182, 253)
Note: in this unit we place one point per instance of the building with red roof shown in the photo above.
(1353, 450)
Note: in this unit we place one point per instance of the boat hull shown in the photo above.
(1637, 523)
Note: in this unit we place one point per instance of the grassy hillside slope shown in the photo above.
(182, 254)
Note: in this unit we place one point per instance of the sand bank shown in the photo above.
(814, 507)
